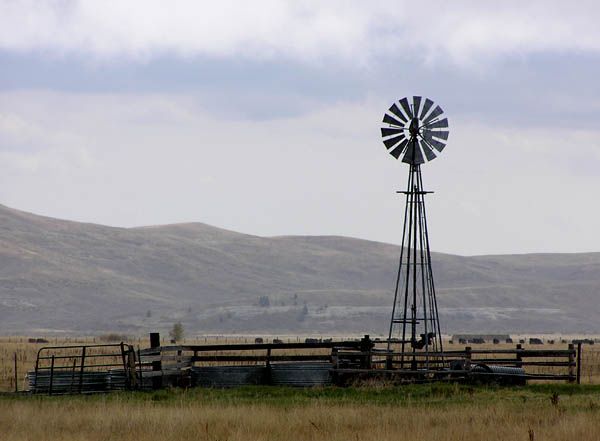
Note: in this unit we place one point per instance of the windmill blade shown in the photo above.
(418, 155)
(429, 154)
(441, 124)
(408, 154)
(396, 111)
(406, 107)
(440, 134)
(416, 105)
(426, 106)
(438, 145)
(389, 132)
(391, 142)
(413, 154)
(392, 121)
(398, 150)
(434, 114)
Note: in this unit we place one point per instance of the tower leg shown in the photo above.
(415, 318)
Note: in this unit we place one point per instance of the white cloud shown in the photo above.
(464, 32)
(150, 159)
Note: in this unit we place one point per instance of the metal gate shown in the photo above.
(83, 369)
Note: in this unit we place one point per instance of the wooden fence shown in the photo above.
(95, 368)
(362, 358)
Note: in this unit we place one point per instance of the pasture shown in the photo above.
(379, 412)
(417, 412)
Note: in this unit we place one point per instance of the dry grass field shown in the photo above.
(546, 412)
(418, 412)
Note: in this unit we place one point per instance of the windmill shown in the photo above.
(415, 133)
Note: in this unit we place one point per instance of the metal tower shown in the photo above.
(416, 134)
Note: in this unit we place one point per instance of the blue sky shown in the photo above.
(264, 118)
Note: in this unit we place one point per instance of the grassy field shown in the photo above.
(418, 412)
(377, 412)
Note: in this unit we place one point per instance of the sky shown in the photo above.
(263, 117)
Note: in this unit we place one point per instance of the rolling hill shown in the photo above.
(76, 278)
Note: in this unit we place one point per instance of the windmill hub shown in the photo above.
(414, 128)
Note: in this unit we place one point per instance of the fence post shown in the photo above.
(139, 360)
(468, 357)
(334, 357)
(51, 376)
(366, 347)
(519, 355)
(73, 376)
(133, 381)
(16, 375)
(81, 369)
(572, 374)
(579, 349)
(37, 365)
(156, 365)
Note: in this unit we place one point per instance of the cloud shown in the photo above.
(355, 32)
(138, 159)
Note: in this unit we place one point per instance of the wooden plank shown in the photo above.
(450, 355)
(493, 360)
(163, 373)
(151, 374)
(513, 362)
(259, 346)
(246, 358)
(548, 377)
(176, 366)
(530, 353)
(401, 373)
(560, 352)
(547, 363)
(572, 360)
(165, 358)
(578, 363)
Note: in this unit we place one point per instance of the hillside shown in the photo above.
(62, 276)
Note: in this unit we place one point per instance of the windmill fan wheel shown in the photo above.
(415, 132)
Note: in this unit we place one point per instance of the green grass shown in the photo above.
(436, 395)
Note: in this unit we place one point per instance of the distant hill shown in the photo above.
(62, 276)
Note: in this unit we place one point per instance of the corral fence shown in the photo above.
(344, 362)
(100, 368)
(227, 365)
(513, 366)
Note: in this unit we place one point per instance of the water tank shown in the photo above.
(301, 374)
(228, 376)
(490, 373)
